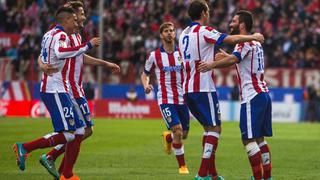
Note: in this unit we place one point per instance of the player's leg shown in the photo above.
(264, 147)
(61, 125)
(48, 160)
(83, 110)
(205, 108)
(251, 121)
(174, 140)
(73, 148)
(184, 118)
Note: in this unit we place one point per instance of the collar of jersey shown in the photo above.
(59, 27)
(163, 50)
(194, 23)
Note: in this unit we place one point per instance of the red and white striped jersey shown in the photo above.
(196, 44)
(76, 69)
(55, 48)
(250, 69)
(169, 72)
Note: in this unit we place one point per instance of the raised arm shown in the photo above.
(234, 39)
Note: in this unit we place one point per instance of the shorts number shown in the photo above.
(68, 112)
(166, 112)
(84, 108)
(185, 41)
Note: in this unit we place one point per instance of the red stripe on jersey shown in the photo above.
(209, 40)
(162, 76)
(44, 82)
(188, 70)
(173, 79)
(209, 28)
(70, 49)
(11, 94)
(254, 77)
(64, 74)
(80, 80)
(196, 29)
(72, 78)
(196, 80)
(239, 81)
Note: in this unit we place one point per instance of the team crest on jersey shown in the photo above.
(71, 122)
(169, 119)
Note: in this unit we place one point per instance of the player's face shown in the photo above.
(71, 23)
(168, 34)
(234, 25)
(81, 17)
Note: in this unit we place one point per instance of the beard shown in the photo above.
(235, 30)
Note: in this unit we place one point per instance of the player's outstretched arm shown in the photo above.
(48, 69)
(145, 79)
(99, 62)
(62, 51)
(222, 60)
(234, 39)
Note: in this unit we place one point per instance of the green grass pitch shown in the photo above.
(132, 149)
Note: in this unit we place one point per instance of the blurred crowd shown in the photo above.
(291, 29)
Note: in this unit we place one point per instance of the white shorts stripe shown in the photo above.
(211, 106)
(249, 128)
(65, 124)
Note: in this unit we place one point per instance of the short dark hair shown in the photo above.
(195, 9)
(246, 18)
(75, 5)
(62, 12)
(165, 25)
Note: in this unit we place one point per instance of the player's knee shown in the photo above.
(177, 134)
(80, 131)
(69, 136)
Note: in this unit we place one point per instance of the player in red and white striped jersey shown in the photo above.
(196, 44)
(166, 63)
(74, 68)
(255, 113)
(54, 50)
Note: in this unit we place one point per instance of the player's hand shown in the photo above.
(148, 89)
(49, 69)
(113, 67)
(205, 66)
(259, 37)
(222, 54)
(95, 41)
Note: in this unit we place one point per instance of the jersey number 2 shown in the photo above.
(185, 41)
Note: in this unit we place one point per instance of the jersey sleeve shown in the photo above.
(63, 50)
(149, 65)
(213, 36)
(241, 51)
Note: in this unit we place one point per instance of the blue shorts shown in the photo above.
(62, 111)
(255, 117)
(204, 106)
(174, 114)
(82, 108)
